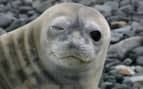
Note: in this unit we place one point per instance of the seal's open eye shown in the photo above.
(95, 35)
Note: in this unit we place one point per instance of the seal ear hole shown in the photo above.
(95, 35)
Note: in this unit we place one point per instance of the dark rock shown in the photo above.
(125, 2)
(5, 20)
(27, 2)
(138, 28)
(85, 2)
(139, 60)
(138, 51)
(118, 24)
(136, 80)
(127, 61)
(42, 6)
(138, 4)
(126, 31)
(116, 37)
(2, 31)
(24, 9)
(100, 1)
(128, 9)
(120, 49)
(139, 69)
(113, 4)
(107, 85)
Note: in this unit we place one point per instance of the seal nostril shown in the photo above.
(95, 35)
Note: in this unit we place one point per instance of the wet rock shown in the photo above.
(116, 37)
(107, 85)
(137, 27)
(5, 20)
(85, 2)
(136, 80)
(128, 9)
(139, 69)
(139, 60)
(104, 9)
(126, 31)
(42, 6)
(120, 49)
(127, 61)
(100, 1)
(118, 24)
(125, 2)
(24, 9)
(113, 4)
(125, 70)
(138, 4)
(138, 51)
(28, 2)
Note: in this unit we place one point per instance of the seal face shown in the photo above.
(74, 40)
(64, 48)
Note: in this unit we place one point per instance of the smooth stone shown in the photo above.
(113, 4)
(5, 20)
(85, 2)
(128, 9)
(24, 9)
(136, 80)
(104, 9)
(42, 6)
(139, 69)
(116, 37)
(137, 27)
(126, 31)
(139, 60)
(138, 51)
(125, 2)
(127, 61)
(125, 70)
(118, 24)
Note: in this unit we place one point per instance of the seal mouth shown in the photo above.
(81, 60)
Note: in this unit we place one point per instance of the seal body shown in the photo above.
(64, 48)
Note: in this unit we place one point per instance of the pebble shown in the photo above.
(128, 61)
(126, 31)
(42, 6)
(128, 9)
(104, 9)
(116, 37)
(139, 69)
(138, 51)
(136, 80)
(139, 60)
(125, 70)
(113, 4)
(118, 24)
(5, 20)
(125, 2)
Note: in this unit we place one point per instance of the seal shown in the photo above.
(64, 48)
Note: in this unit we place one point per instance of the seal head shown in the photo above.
(74, 41)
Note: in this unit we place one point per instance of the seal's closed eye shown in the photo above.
(55, 27)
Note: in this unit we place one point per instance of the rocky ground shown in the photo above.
(124, 64)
